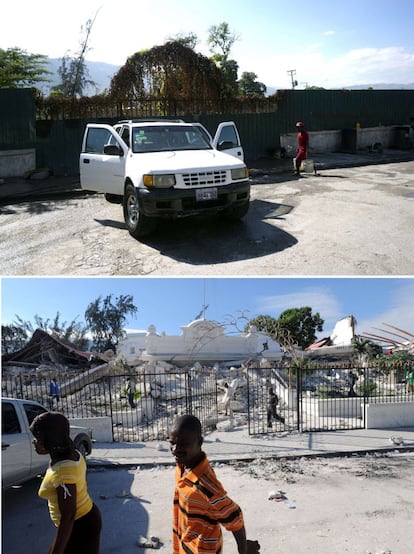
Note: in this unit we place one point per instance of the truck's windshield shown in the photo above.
(174, 137)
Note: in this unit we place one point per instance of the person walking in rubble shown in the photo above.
(273, 401)
(410, 380)
(227, 398)
(201, 505)
(130, 391)
(54, 393)
(303, 147)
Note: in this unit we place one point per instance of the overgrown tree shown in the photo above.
(171, 71)
(20, 69)
(106, 319)
(13, 338)
(73, 332)
(248, 86)
(73, 70)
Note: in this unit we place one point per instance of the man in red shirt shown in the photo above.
(303, 145)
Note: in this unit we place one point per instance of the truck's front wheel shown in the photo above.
(137, 223)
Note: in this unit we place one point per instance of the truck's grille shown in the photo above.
(204, 178)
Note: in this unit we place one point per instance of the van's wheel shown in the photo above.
(237, 212)
(82, 449)
(137, 223)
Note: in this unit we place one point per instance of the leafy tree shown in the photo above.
(294, 326)
(106, 319)
(73, 332)
(365, 349)
(172, 71)
(20, 69)
(221, 40)
(13, 338)
(248, 86)
(301, 324)
(73, 70)
(190, 40)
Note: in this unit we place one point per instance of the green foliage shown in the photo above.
(365, 349)
(366, 388)
(190, 40)
(106, 319)
(302, 325)
(20, 69)
(73, 71)
(170, 71)
(221, 38)
(294, 326)
(74, 77)
(248, 86)
(13, 338)
(73, 332)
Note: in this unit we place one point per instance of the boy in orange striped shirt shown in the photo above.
(201, 504)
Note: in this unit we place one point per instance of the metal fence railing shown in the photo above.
(324, 397)
(308, 399)
(146, 415)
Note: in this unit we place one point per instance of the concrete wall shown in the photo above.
(101, 427)
(336, 407)
(389, 415)
(15, 163)
(331, 141)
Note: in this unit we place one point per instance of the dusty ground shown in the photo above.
(356, 505)
(347, 221)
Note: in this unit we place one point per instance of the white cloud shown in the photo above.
(400, 314)
(316, 67)
(318, 298)
(329, 33)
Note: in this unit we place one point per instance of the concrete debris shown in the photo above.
(397, 440)
(278, 496)
(152, 542)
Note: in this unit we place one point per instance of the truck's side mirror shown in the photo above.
(113, 150)
(225, 145)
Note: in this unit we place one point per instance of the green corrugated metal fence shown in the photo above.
(58, 142)
(17, 119)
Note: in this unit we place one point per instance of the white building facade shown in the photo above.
(201, 341)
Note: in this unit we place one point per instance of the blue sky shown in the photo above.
(169, 303)
(329, 44)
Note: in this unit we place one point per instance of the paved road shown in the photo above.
(350, 505)
(344, 221)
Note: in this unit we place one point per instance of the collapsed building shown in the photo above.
(338, 344)
(47, 350)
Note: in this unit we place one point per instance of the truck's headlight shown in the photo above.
(239, 173)
(159, 181)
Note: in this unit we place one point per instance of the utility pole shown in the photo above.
(292, 72)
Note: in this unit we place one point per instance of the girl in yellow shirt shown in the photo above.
(77, 519)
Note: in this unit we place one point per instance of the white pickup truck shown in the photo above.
(165, 169)
(19, 461)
